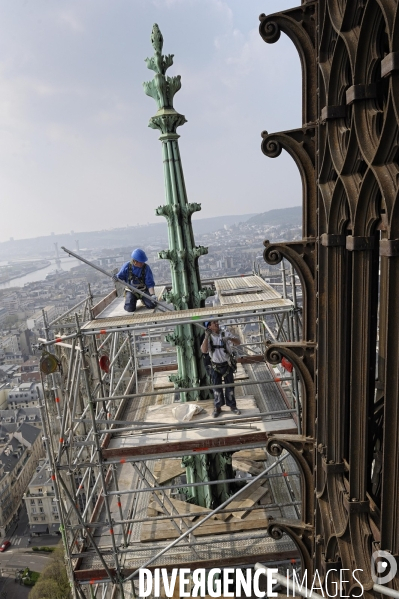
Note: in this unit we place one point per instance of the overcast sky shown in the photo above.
(76, 152)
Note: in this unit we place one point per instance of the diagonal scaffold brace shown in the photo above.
(131, 287)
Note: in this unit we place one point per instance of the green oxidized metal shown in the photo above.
(183, 255)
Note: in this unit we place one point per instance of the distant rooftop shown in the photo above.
(41, 477)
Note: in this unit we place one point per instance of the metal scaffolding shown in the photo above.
(108, 428)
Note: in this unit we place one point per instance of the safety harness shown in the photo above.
(137, 281)
(232, 361)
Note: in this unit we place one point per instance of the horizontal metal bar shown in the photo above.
(143, 425)
(238, 563)
(60, 344)
(207, 281)
(185, 389)
(199, 484)
(135, 546)
(250, 443)
(188, 515)
(232, 421)
(215, 315)
(172, 354)
(173, 323)
(206, 518)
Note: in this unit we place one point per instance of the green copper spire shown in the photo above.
(162, 88)
(183, 256)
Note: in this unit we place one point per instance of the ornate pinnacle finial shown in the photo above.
(158, 62)
(162, 88)
(156, 38)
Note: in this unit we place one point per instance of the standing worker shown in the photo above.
(217, 344)
(137, 273)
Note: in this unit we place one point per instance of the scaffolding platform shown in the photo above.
(200, 440)
(231, 551)
(129, 449)
(235, 538)
(238, 297)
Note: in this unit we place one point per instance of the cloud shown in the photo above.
(70, 19)
(75, 149)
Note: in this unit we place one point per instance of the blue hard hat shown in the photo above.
(207, 323)
(139, 255)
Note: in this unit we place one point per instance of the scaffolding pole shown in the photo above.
(87, 417)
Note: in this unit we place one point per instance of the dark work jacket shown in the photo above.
(207, 359)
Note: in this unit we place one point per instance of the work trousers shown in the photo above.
(131, 301)
(223, 374)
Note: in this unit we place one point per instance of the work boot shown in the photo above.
(216, 412)
(236, 411)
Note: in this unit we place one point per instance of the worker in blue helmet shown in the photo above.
(137, 273)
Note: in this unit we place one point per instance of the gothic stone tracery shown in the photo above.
(347, 152)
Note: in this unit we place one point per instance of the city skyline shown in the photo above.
(74, 115)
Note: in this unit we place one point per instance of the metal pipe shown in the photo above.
(161, 455)
(212, 315)
(295, 393)
(98, 369)
(112, 356)
(151, 368)
(290, 324)
(131, 287)
(172, 354)
(104, 342)
(199, 484)
(379, 588)
(283, 279)
(281, 329)
(184, 425)
(121, 377)
(49, 454)
(119, 503)
(73, 309)
(206, 281)
(232, 421)
(294, 300)
(169, 391)
(118, 352)
(96, 549)
(190, 514)
(251, 322)
(52, 377)
(65, 410)
(98, 449)
(163, 505)
(75, 385)
(59, 344)
(89, 497)
(136, 364)
(280, 326)
(210, 515)
(105, 582)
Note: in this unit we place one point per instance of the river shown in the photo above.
(39, 275)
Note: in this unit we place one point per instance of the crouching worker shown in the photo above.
(218, 344)
(139, 274)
